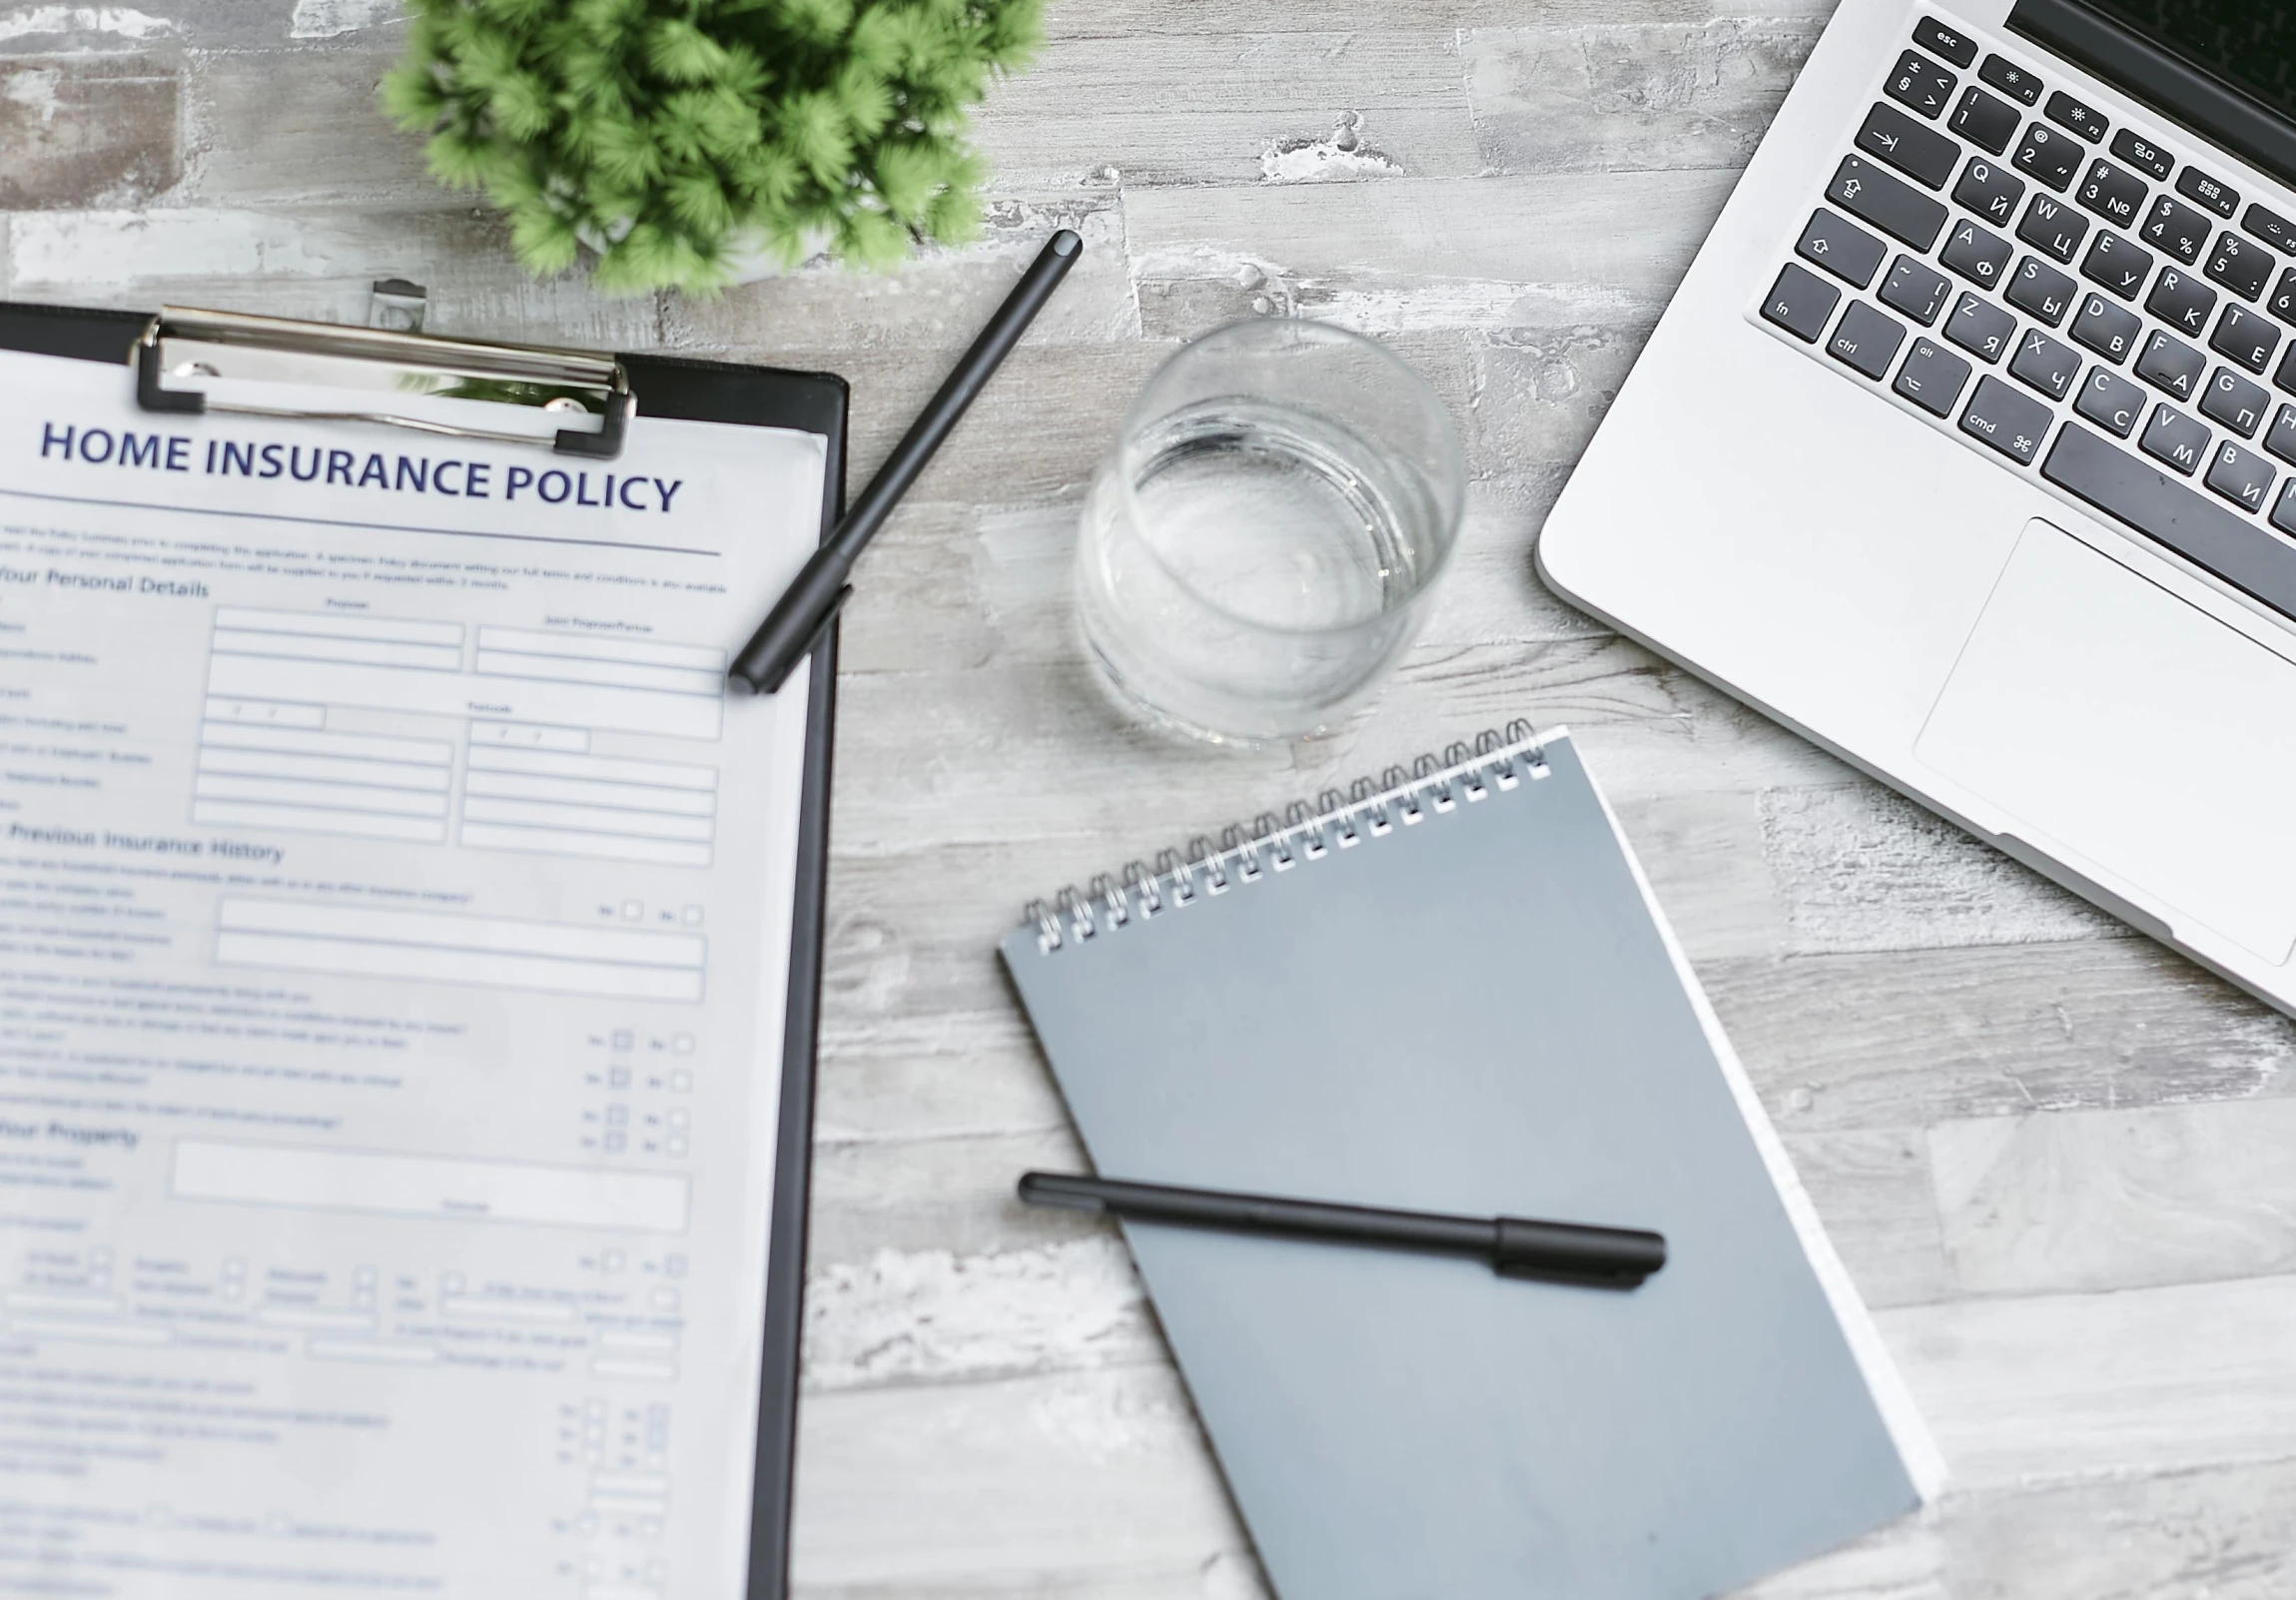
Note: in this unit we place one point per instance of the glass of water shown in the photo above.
(1261, 542)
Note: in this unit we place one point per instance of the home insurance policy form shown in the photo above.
(393, 941)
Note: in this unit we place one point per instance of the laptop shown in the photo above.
(1968, 448)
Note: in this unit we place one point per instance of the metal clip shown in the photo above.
(241, 350)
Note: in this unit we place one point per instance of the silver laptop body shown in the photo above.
(1968, 448)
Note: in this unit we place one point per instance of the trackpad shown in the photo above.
(2110, 717)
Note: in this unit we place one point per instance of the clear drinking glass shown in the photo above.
(1261, 542)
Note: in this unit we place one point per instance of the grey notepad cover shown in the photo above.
(1478, 1014)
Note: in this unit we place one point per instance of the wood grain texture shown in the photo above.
(2050, 1152)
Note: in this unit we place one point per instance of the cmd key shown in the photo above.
(1902, 211)
(2011, 422)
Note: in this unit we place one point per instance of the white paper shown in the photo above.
(394, 938)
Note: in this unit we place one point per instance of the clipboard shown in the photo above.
(600, 392)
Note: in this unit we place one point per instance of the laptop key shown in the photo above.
(1800, 302)
(1842, 248)
(1981, 327)
(2040, 290)
(1975, 253)
(1915, 290)
(2175, 440)
(1918, 152)
(2239, 476)
(2044, 363)
(2115, 263)
(1983, 121)
(2048, 156)
(2280, 438)
(2234, 401)
(2177, 228)
(2204, 531)
(2012, 79)
(1866, 340)
(2283, 301)
(2181, 301)
(1957, 47)
(2011, 422)
(2110, 400)
(2053, 227)
(2284, 376)
(1993, 192)
(2143, 154)
(2274, 229)
(2167, 364)
(2066, 112)
(2114, 195)
(1931, 376)
(2241, 265)
(2284, 515)
(2245, 336)
(1871, 194)
(2106, 328)
(1920, 84)
(2193, 184)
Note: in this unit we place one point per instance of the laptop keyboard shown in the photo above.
(2068, 297)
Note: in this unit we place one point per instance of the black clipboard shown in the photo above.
(701, 391)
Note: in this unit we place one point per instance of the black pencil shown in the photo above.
(804, 611)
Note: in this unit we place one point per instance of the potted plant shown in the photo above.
(689, 143)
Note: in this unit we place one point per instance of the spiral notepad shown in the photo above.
(1450, 989)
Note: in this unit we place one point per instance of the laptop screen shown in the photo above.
(2248, 43)
(2224, 68)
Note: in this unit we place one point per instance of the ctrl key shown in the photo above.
(1800, 302)
(2011, 422)
(1867, 339)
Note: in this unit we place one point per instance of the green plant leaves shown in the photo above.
(660, 139)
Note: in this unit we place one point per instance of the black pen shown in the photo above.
(1516, 1247)
(804, 611)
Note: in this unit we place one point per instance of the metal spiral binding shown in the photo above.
(1336, 822)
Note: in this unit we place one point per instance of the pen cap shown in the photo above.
(1544, 1248)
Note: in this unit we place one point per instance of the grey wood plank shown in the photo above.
(81, 127)
(291, 129)
(1863, 868)
(2104, 1199)
(1048, 755)
(1910, 1038)
(1139, 18)
(908, 1317)
(1211, 107)
(1873, 1189)
(311, 262)
(1408, 253)
(1631, 95)
(2203, 1534)
(927, 312)
(2078, 1387)
(1093, 1484)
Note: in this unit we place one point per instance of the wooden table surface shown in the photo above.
(2056, 1159)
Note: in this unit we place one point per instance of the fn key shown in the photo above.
(1800, 302)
